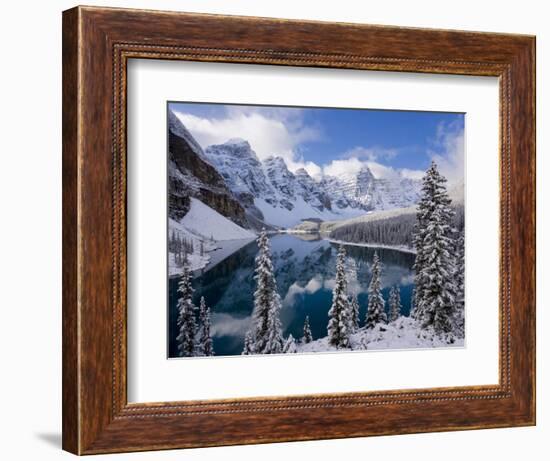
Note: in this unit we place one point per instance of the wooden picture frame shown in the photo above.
(97, 44)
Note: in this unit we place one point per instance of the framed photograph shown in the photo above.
(280, 230)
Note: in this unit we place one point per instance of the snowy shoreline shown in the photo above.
(374, 245)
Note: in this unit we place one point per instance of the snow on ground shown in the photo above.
(280, 216)
(402, 248)
(203, 220)
(218, 236)
(404, 333)
(196, 262)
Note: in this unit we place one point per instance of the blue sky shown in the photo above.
(326, 140)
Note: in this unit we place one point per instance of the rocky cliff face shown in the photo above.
(191, 175)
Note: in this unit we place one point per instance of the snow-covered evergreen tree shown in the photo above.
(435, 260)
(204, 340)
(274, 341)
(375, 309)
(290, 345)
(186, 314)
(248, 346)
(339, 324)
(395, 304)
(308, 337)
(412, 310)
(266, 335)
(354, 312)
(459, 279)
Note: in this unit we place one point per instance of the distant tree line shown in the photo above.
(397, 230)
(182, 246)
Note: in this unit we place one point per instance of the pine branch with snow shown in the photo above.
(375, 309)
(186, 314)
(204, 341)
(308, 337)
(248, 344)
(274, 342)
(395, 304)
(265, 335)
(290, 345)
(339, 325)
(459, 278)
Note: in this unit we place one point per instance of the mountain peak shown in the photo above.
(365, 173)
(302, 172)
(236, 142)
(176, 126)
(276, 161)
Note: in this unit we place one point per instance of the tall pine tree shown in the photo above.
(339, 324)
(375, 309)
(395, 304)
(308, 337)
(204, 343)
(435, 261)
(265, 336)
(274, 341)
(186, 314)
(248, 344)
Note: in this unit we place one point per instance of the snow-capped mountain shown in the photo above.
(281, 196)
(230, 177)
(190, 175)
(364, 191)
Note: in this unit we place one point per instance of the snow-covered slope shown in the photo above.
(329, 226)
(204, 221)
(283, 198)
(365, 191)
(210, 237)
(403, 333)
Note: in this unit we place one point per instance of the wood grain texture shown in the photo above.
(97, 43)
(70, 384)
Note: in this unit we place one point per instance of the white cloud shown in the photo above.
(412, 174)
(280, 131)
(382, 171)
(448, 151)
(314, 170)
(270, 131)
(227, 325)
(353, 165)
(346, 167)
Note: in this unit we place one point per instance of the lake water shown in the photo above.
(305, 269)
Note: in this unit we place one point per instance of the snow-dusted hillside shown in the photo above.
(284, 197)
(211, 237)
(208, 223)
(329, 226)
(403, 333)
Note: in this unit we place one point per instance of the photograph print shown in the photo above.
(298, 230)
